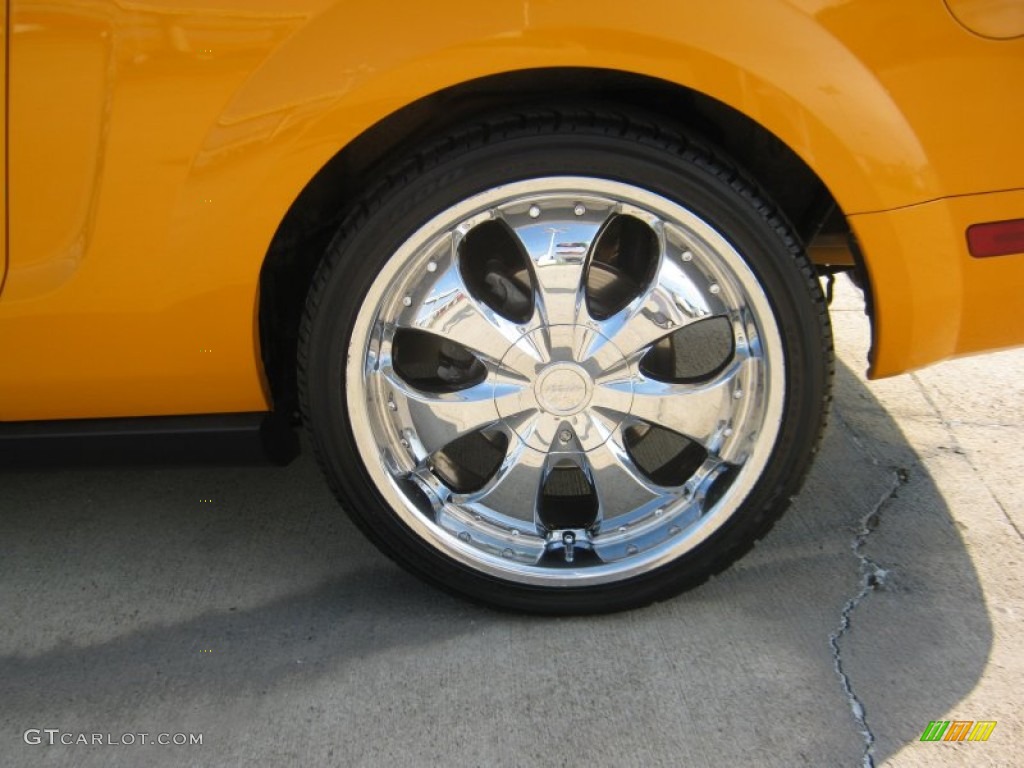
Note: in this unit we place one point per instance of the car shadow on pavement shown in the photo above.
(237, 602)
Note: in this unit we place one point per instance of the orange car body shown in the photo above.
(154, 148)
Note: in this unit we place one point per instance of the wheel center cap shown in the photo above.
(563, 389)
(556, 411)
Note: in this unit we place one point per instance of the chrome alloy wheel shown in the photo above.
(565, 381)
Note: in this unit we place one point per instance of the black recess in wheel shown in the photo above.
(564, 363)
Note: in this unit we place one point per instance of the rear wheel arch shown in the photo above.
(310, 222)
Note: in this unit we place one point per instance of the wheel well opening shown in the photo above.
(309, 225)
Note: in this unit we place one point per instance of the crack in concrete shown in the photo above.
(873, 577)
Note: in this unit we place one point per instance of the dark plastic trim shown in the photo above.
(224, 438)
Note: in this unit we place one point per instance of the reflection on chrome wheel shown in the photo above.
(563, 389)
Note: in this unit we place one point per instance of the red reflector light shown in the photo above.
(996, 238)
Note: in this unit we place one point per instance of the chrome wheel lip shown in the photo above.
(382, 454)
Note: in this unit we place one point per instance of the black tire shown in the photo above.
(613, 150)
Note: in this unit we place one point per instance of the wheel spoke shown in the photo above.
(446, 307)
(558, 250)
(622, 489)
(697, 411)
(703, 478)
(560, 292)
(515, 487)
(669, 302)
(438, 418)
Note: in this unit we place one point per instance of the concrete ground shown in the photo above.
(238, 603)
